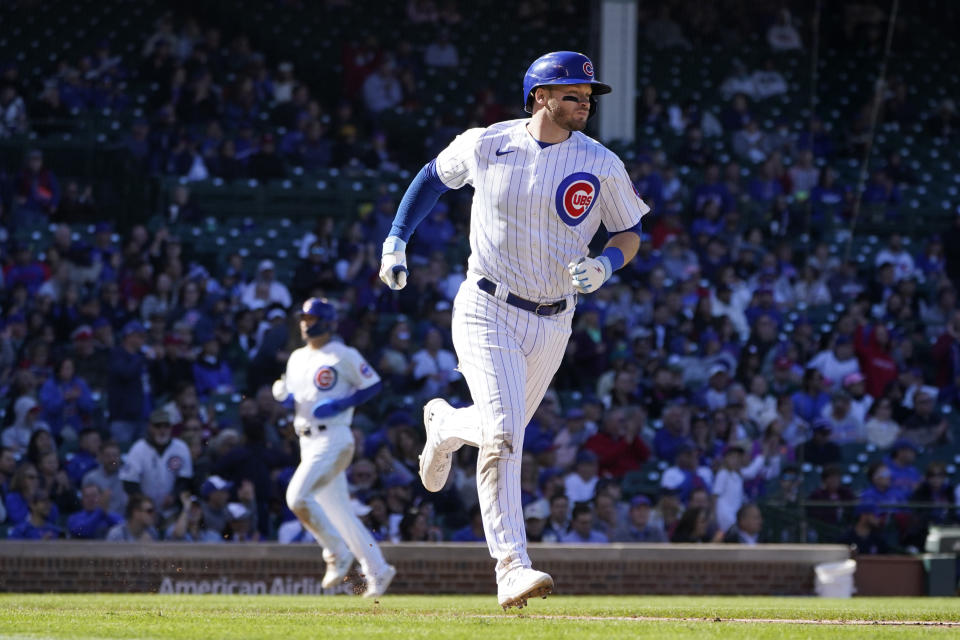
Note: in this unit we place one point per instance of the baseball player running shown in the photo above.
(541, 190)
(326, 380)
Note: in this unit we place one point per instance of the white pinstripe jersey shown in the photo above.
(535, 210)
(331, 372)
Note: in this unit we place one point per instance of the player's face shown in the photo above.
(568, 106)
(306, 321)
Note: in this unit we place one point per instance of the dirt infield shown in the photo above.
(862, 623)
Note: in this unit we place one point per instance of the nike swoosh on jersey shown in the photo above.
(503, 153)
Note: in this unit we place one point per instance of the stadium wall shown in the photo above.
(78, 566)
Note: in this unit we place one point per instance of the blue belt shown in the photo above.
(539, 308)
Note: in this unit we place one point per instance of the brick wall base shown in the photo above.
(76, 566)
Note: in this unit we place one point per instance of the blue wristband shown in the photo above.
(615, 256)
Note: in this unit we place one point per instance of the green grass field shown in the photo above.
(471, 617)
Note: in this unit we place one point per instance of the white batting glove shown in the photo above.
(588, 274)
(280, 391)
(393, 263)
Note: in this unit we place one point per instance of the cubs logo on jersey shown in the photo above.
(576, 195)
(174, 463)
(366, 371)
(325, 378)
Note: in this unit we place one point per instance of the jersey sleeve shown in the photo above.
(132, 469)
(358, 371)
(456, 165)
(620, 205)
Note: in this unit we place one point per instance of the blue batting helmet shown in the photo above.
(323, 311)
(561, 67)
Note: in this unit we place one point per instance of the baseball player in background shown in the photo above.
(541, 190)
(325, 380)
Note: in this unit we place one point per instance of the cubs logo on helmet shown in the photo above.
(588, 68)
(325, 378)
(576, 195)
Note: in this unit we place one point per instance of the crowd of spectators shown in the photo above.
(715, 373)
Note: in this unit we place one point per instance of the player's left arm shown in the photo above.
(621, 209)
(364, 379)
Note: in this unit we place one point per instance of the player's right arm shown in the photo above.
(282, 393)
(453, 168)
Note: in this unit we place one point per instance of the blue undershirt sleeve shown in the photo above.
(418, 201)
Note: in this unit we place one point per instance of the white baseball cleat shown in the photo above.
(437, 456)
(377, 585)
(337, 570)
(521, 584)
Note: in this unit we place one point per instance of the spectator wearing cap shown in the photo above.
(27, 420)
(125, 387)
(638, 526)
(270, 359)
(92, 522)
(854, 385)
(66, 400)
(190, 525)
(158, 465)
(714, 395)
(264, 289)
(618, 446)
(580, 485)
(106, 475)
(809, 401)
(925, 426)
(865, 535)
(880, 490)
(581, 527)
(266, 165)
(686, 474)
(845, 427)
(728, 485)
(904, 477)
(747, 528)
(37, 525)
(215, 493)
(874, 348)
(398, 498)
(211, 374)
(573, 433)
(836, 363)
(820, 449)
(139, 524)
(84, 459)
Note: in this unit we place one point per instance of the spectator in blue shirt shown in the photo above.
(66, 400)
(92, 522)
(211, 374)
(904, 477)
(808, 403)
(674, 434)
(473, 532)
(127, 402)
(881, 492)
(581, 527)
(85, 457)
(37, 525)
(713, 189)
